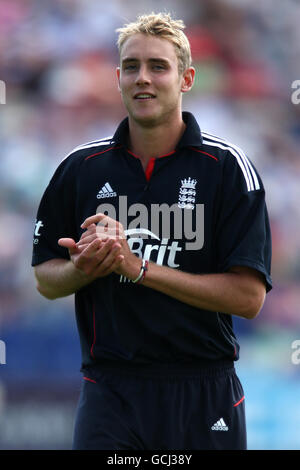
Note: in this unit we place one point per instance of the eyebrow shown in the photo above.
(151, 59)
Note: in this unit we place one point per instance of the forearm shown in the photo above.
(229, 292)
(59, 278)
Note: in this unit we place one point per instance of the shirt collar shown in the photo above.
(190, 138)
(192, 135)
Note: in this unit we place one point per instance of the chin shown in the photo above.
(147, 121)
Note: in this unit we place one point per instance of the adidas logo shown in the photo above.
(220, 425)
(106, 191)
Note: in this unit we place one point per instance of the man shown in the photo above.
(155, 292)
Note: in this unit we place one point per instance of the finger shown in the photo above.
(90, 260)
(106, 254)
(114, 231)
(109, 248)
(90, 230)
(83, 243)
(93, 219)
(91, 248)
(105, 226)
(110, 266)
(97, 250)
(82, 247)
(115, 265)
(87, 254)
(90, 238)
(87, 260)
(87, 240)
(117, 262)
(103, 236)
(68, 243)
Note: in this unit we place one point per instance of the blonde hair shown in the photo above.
(162, 25)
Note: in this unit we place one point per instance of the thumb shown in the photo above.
(68, 243)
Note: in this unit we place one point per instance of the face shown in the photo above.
(149, 80)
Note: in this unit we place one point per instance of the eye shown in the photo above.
(129, 67)
(158, 67)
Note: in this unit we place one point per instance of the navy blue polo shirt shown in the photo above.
(200, 209)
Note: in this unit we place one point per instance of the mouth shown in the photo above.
(144, 96)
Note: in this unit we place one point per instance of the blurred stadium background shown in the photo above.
(57, 59)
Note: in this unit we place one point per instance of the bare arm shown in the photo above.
(239, 292)
(61, 277)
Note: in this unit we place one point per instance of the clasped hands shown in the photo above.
(102, 249)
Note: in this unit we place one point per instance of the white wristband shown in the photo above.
(141, 272)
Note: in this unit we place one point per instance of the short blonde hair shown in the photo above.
(162, 25)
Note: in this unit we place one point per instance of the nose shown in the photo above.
(142, 77)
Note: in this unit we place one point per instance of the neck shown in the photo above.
(149, 142)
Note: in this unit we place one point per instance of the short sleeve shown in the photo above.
(55, 217)
(243, 235)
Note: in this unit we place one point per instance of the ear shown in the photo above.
(118, 72)
(187, 79)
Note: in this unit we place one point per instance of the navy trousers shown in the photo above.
(197, 409)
